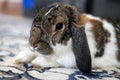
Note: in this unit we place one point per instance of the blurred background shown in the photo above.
(18, 14)
(28, 8)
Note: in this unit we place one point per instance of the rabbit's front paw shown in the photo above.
(25, 57)
(43, 62)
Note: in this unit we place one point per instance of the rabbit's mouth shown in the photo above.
(43, 48)
(45, 51)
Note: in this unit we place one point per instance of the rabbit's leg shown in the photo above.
(41, 61)
(25, 57)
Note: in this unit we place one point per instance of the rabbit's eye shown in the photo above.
(59, 26)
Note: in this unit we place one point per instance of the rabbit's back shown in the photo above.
(104, 41)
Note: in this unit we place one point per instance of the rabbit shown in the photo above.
(61, 36)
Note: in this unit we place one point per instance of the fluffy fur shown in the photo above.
(64, 37)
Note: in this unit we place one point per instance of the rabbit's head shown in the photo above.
(58, 23)
(51, 24)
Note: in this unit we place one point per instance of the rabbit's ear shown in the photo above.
(81, 49)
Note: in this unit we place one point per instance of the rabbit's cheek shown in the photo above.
(56, 38)
(44, 48)
(35, 35)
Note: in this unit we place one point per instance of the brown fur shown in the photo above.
(34, 36)
(56, 37)
(101, 36)
(82, 20)
(44, 48)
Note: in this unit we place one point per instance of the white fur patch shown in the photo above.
(42, 61)
(25, 56)
(92, 17)
(64, 55)
(91, 40)
(109, 57)
(50, 10)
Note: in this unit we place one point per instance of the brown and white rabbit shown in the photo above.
(65, 37)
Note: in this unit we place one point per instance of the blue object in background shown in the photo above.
(28, 4)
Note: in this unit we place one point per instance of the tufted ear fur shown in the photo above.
(73, 13)
(81, 49)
